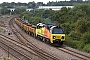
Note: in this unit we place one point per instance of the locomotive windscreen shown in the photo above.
(57, 31)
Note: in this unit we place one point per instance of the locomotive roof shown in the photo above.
(48, 25)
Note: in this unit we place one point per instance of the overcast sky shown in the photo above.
(26, 1)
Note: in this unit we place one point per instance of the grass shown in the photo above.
(1, 29)
(2, 59)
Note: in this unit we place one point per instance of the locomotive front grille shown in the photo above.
(57, 41)
(56, 37)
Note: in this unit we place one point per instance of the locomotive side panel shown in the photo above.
(47, 34)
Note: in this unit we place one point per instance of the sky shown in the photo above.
(26, 1)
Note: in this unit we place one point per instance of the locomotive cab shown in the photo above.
(57, 34)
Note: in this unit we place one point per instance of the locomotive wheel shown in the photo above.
(47, 41)
(61, 43)
(43, 39)
(38, 37)
(29, 33)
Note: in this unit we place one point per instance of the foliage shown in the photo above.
(5, 11)
(86, 37)
(87, 48)
(19, 10)
(72, 43)
(26, 15)
(82, 25)
(49, 14)
(81, 45)
(9, 58)
(66, 28)
(35, 20)
(75, 35)
(83, 7)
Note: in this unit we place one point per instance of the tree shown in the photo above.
(5, 11)
(86, 37)
(34, 6)
(82, 25)
(62, 15)
(35, 20)
(19, 10)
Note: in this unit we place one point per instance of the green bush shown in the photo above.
(75, 35)
(9, 58)
(87, 48)
(35, 20)
(86, 37)
(72, 43)
(67, 27)
(81, 45)
(82, 25)
(77, 44)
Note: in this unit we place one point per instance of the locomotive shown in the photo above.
(46, 32)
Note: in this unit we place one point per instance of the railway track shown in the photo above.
(41, 53)
(5, 44)
(7, 50)
(19, 48)
(15, 52)
(73, 53)
(16, 33)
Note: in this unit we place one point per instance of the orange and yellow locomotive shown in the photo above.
(46, 32)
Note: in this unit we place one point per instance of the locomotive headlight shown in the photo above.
(54, 37)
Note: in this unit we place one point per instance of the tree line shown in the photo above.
(36, 5)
